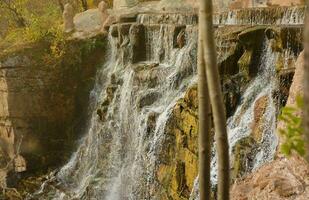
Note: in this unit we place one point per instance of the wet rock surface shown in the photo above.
(284, 178)
(180, 165)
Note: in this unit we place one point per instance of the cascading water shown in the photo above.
(117, 157)
(240, 124)
(264, 85)
(151, 65)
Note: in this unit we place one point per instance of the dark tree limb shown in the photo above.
(84, 4)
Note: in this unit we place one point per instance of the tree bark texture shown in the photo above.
(216, 98)
(204, 125)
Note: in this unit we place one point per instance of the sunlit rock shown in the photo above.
(181, 160)
(20, 164)
(297, 87)
(284, 178)
(260, 107)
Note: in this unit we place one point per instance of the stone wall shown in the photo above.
(43, 101)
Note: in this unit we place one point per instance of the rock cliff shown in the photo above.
(44, 102)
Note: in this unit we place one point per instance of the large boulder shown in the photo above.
(281, 179)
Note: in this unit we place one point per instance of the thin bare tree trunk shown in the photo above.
(306, 86)
(216, 98)
(61, 6)
(84, 4)
(204, 125)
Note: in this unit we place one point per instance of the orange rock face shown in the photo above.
(257, 125)
(297, 87)
(280, 179)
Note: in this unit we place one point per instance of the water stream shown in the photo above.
(117, 157)
(131, 104)
(240, 124)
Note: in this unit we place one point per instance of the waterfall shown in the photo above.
(116, 159)
(147, 72)
(239, 126)
(264, 85)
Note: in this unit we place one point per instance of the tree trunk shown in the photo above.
(216, 98)
(204, 125)
(84, 4)
(61, 6)
(306, 86)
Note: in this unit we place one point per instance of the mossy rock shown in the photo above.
(242, 156)
(244, 64)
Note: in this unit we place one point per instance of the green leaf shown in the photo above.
(299, 101)
(293, 132)
(285, 149)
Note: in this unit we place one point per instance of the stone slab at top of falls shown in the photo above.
(262, 16)
(156, 13)
(164, 12)
(249, 16)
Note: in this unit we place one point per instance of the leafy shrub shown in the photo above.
(43, 25)
(293, 131)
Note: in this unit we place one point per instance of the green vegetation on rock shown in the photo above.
(293, 132)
